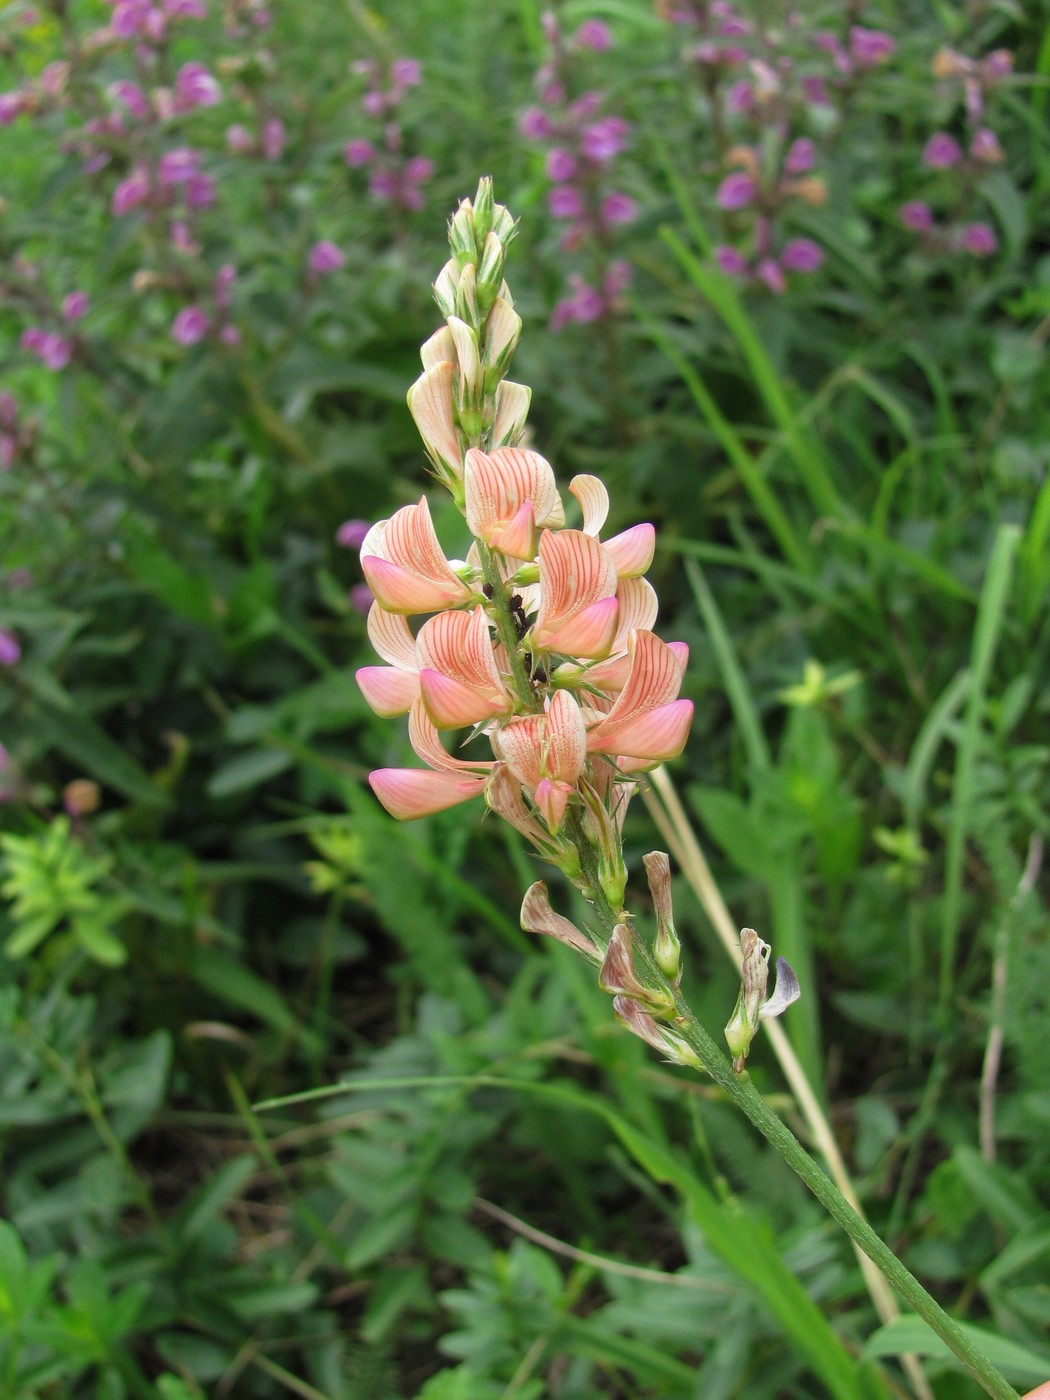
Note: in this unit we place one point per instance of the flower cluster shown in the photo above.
(758, 186)
(393, 177)
(958, 166)
(541, 640)
(581, 144)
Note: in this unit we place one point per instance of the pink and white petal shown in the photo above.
(454, 704)
(512, 408)
(552, 798)
(633, 550)
(392, 637)
(611, 675)
(653, 735)
(594, 500)
(517, 536)
(430, 404)
(438, 349)
(565, 749)
(459, 644)
(389, 690)
(681, 652)
(426, 742)
(411, 542)
(574, 572)
(519, 743)
(408, 793)
(373, 542)
(497, 484)
(655, 677)
(588, 633)
(401, 591)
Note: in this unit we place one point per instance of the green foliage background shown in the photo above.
(511, 1199)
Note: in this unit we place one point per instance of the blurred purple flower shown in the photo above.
(985, 147)
(361, 598)
(535, 125)
(941, 152)
(223, 285)
(177, 166)
(325, 256)
(916, 215)
(740, 97)
(53, 351)
(75, 305)
(565, 202)
(998, 64)
(736, 191)
(801, 156)
(870, 47)
(11, 104)
(815, 91)
(239, 139)
(594, 35)
(585, 305)
(604, 139)
(769, 272)
(801, 255)
(182, 240)
(406, 72)
(273, 138)
(132, 98)
(195, 87)
(10, 652)
(351, 534)
(130, 193)
(418, 170)
(731, 261)
(617, 278)
(190, 325)
(200, 192)
(979, 239)
(618, 208)
(585, 106)
(374, 103)
(561, 164)
(185, 9)
(359, 152)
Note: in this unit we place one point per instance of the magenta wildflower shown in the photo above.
(941, 152)
(406, 72)
(222, 287)
(325, 256)
(195, 87)
(617, 278)
(132, 98)
(618, 208)
(604, 139)
(178, 166)
(985, 147)
(359, 152)
(565, 202)
(75, 305)
(731, 261)
(190, 325)
(130, 193)
(916, 215)
(769, 272)
(54, 351)
(801, 156)
(273, 138)
(535, 125)
(979, 239)
(418, 170)
(11, 104)
(870, 47)
(239, 140)
(361, 599)
(182, 240)
(10, 651)
(200, 192)
(801, 255)
(594, 35)
(585, 106)
(561, 165)
(351, 534)
(736, 191)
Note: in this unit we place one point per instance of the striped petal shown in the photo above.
(594, 500)
(404, 566)
(426, 742)
(588, 633)
(389, 690)
(638, 610)
(519, 743)
(552, 798)
(497, 485)
(565, 746)
(392, 638)
(408, 793)
(453, 704)
(512, 408)
(430, 404)
(575, 574)
(652, 735)
(402, 591)
(633, 550)
(457, 647)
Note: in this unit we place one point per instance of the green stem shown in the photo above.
(508, 634)
(743, 1093)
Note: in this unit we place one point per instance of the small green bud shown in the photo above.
(461, 235)
(484, 211)
(667, 950)
(466, 307)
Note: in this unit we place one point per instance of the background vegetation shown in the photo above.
(845, 451)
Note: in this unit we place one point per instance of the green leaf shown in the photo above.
(911, 1334)
(248, 770)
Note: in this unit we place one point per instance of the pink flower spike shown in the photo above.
(508, 493)
(577, 586)
(458, 679)
(404, 566)
(409, 793)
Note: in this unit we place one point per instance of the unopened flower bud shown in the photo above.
(490, 269)
(468, 362)
(619, 976)
(604, 835)
(461, 235)
(667, 950)
(484, 211)
(537, 916)
(512, 408)
(502, 330)
(445, 288)
(439, 348)
(752, 1004)
(466, 304)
